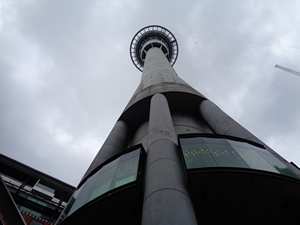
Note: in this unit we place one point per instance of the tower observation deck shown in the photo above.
(174, 157)
(153, 37)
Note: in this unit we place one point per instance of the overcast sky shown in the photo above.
(66, 75)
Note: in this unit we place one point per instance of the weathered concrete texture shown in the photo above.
(160, 121)
(159, 77)
(115, 143)
(185, 123)
(223, 124)
(140, 135)
(157, 69)
(166, 200)
(161, 88)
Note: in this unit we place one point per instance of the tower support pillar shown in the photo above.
(166, 200)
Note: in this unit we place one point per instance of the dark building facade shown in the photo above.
(175, 158)
(28, 196)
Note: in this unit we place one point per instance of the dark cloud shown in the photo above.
(66, 74)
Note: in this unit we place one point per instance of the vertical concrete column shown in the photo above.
(115, 143)
(166, 201)
(223, 124)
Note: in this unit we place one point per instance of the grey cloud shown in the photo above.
(77, 75)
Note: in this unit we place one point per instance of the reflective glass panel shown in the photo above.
(201, 152)
(252, 156)
(223, 153)
(277, 164)
(196, 153)
(121, 171)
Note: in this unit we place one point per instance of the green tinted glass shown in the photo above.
(203, 152)
(121, 171)
(209, 152)
(251, 155)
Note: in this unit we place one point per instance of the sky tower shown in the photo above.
(175, 158)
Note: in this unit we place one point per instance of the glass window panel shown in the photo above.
(96, 185)
(251, 156)
(30, 211)
(126, 170)
(210, 152)
(224, 154)
(196, 154)
(202, 152)
(101, 183)
(276, 163)
(121, 171)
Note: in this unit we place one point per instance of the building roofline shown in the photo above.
(25, 173)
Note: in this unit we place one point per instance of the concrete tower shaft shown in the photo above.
(180, 159)
(157, 70)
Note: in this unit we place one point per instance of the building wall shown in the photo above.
(37, 197)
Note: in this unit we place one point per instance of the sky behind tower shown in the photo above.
(66, 74)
